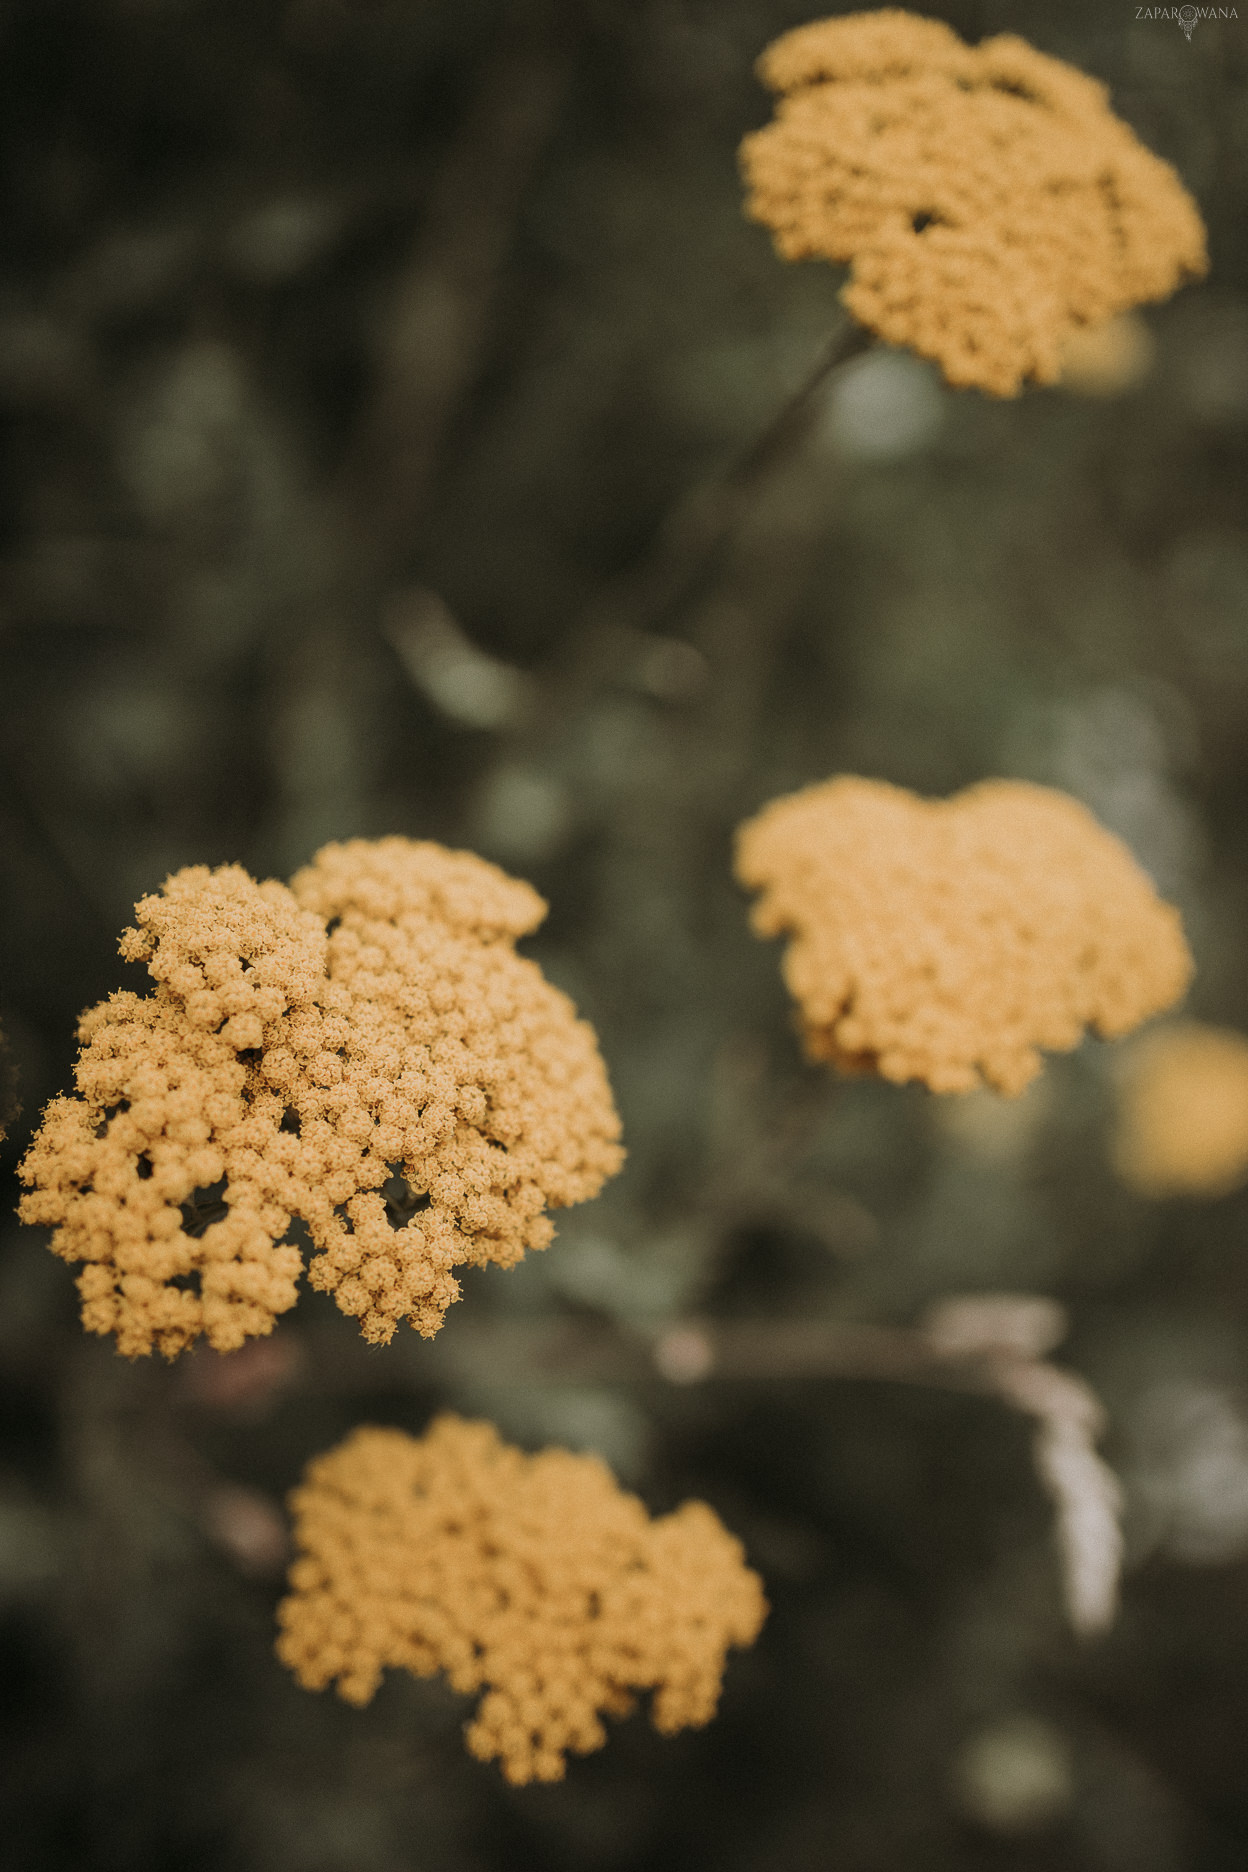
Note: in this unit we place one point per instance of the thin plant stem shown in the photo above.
(700, 521)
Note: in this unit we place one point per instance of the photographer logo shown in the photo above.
(1188, 17)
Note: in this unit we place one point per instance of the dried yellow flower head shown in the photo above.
(1183, 1112)
(365, 1054)
(986, 198)
(535, 1579)
(949, 940)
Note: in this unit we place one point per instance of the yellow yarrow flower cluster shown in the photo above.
(1183, 1112)
(950, 940)
(364, 1053)
(987, 200)
(533, 1579)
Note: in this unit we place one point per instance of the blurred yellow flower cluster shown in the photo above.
(1183, 1112)
(534, 1579)
(951, 940)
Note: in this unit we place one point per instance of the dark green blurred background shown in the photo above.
(355, 357)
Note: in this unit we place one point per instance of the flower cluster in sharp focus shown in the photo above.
(533, 1579)
(949, 940)
(363, 1053)
(1183, 1112)
(988, 201)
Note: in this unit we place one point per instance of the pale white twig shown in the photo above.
(1009, 1332)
